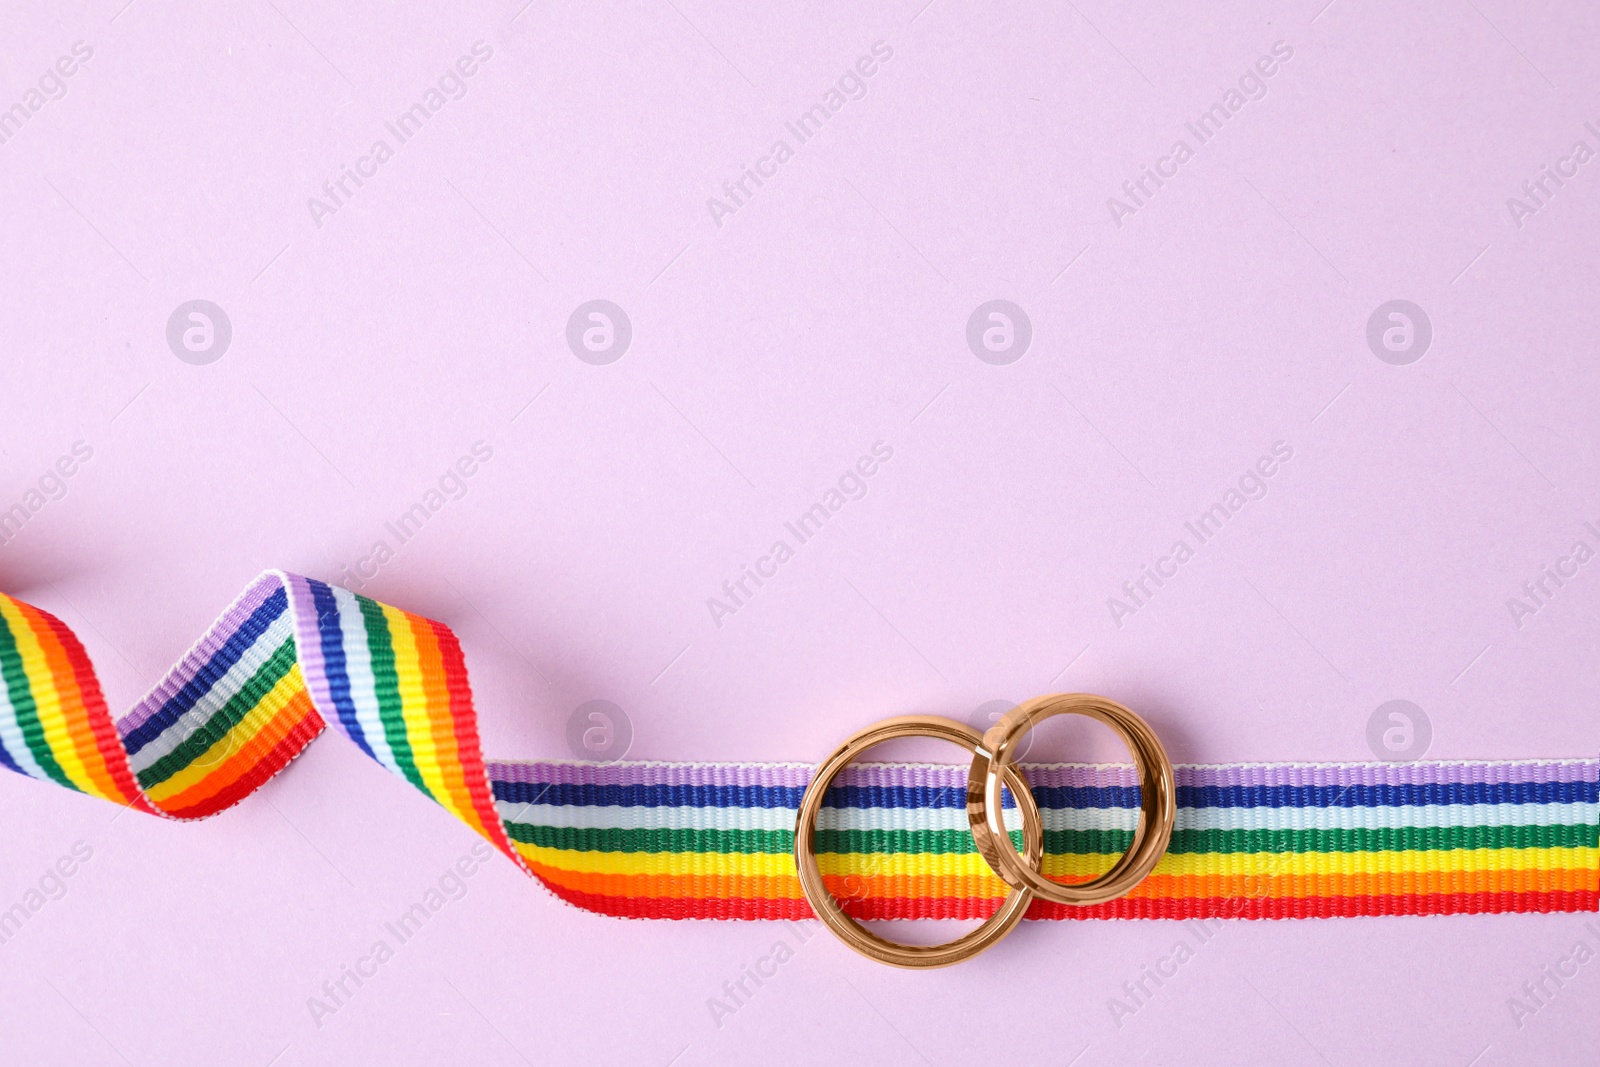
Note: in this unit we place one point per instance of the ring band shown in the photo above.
(832, 914)
(1157, 799)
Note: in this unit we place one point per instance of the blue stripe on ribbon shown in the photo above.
(725, 796)
(232, 650)
(338, 674)
(1052, 797)
(1383, 796)
(7, 762)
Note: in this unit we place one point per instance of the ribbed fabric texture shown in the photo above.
(715, 841)
(1252, 841)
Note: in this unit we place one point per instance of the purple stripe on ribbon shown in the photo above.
(1070, 775)
(737, 774)
(319, 641)
(1423, 773)
(198, 656)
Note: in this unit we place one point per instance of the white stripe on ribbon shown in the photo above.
(223, 690)
(358, 666)
(11, 737)
(1314, 818)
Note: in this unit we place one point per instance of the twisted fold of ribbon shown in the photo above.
(656, 840)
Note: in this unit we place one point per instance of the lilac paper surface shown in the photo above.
(281, 266)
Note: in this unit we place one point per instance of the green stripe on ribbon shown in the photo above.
(225, 718)
(20, 692)
(1382, 839)
(750, 842)
(1059, 842)
(386, 684)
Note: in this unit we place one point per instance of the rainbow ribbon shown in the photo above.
(656, 840)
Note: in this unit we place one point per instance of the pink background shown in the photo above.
(828, 313)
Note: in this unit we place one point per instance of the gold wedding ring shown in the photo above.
(1157, 799)
(829, 910)
(992, 767)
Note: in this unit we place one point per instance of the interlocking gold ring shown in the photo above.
(829, 910)
(1157, 799)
